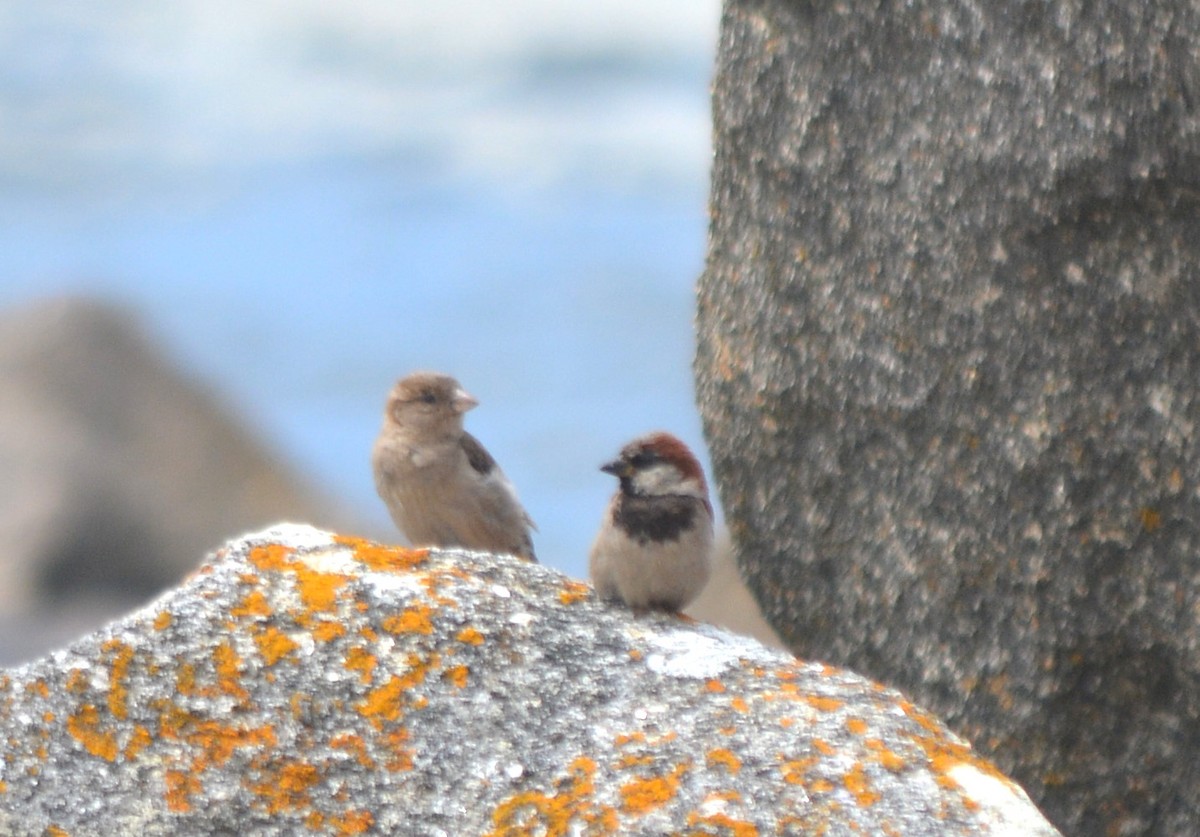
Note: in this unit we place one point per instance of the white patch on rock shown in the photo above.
(703, 654)
(296, 535)
(305, 644)
(407, 583)
(332, 560)
(714, 806)
(1003, 807)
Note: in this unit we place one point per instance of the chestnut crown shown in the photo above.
(658, 464)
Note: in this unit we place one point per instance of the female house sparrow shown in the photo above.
(654, 548)
(440, 485)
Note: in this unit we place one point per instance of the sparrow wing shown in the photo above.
(485, 465)
(477, 455)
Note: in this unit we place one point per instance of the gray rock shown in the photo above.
(118, 469)
(947, 364)
(306, 682)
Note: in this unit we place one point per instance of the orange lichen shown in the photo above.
(228, 666)
(559, 812)
(384, 558)
(946, 782)
(401, 759)
(925, 720)
(888, 759)
(943, 753)
(856, 726)
(38, 687)
(217, 742)
(185, 679)
(318, 590)
(287, 788)
(856, 782)
(356, 745)
(824, 704)
(643, 795)
(78, 681)
(180, 788)
(725, 758)
(56, 831)
(162, 621)
(139, 740)
(458, 675)
(253, 603)
(470, 636)
(361, 660)
(631, 760)
(171, 720)
(738, 828)
(273, 645)
(327, 630)
(273, 556)
(84, 727)
(823, 747)
(413, 620)
(793, 771)
(384, 702)
(351, 822)
(573, 591)
(715, 686)
(739, 703)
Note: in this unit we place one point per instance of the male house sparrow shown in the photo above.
(439, 483)
(654, 548)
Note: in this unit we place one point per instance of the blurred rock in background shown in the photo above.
(119, 473)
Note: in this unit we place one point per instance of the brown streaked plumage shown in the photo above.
(439, 483)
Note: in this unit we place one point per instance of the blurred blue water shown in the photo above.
(549, 265)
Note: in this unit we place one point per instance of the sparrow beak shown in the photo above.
(618, 468)
(464, 401)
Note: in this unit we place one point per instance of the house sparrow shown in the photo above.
(654, 548)
(439, 483)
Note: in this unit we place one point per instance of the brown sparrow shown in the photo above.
(439, 483)
(654, 548)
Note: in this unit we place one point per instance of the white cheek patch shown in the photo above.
(656, 479)
(664, 479)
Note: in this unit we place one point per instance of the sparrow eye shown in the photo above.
(643, 459)
(427, 398)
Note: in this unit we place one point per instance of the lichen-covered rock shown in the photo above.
(302, 682)
(948, 354)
